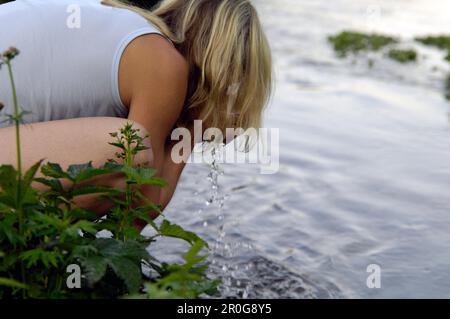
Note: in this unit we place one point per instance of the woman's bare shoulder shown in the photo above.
(156, 77)
(149, 62)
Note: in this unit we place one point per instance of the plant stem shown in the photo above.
(128, 191)
(16, 122)
(19, 164)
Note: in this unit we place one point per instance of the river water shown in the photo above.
(364, 173)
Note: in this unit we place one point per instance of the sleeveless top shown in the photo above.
(69, 57)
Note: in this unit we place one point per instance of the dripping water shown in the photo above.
(224, 248)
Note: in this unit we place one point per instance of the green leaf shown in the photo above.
(107, 246)
(54, 170)
(124, 258)
(74, 230)
(191, 256)
(94, 268)
(50, 220)
(28, 194)
(33, 256)
(8, 282)
(8, 184)
(143, 176)
(135, 250)
(82, 251)
(128, 271)
(8, 176)
(5, 209)
(172, 230)
(86, 171)
(86, 226)
(9, 230)
(131, 232)
(142, 213)
(50, 258)
(54, 184)
(8, 199)
(29, 175)
(70, 233)
(156, 181)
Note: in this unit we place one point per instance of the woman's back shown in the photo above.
(69, 57)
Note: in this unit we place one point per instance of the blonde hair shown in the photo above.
(228, 54)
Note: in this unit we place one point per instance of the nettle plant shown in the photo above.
(44, 235)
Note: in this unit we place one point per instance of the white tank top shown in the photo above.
(69, 57)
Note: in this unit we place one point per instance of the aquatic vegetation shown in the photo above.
(347, 42)
(442, 42)
(49, 247)
(353, 42)
(403, 56)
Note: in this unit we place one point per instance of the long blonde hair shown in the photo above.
(228, 54)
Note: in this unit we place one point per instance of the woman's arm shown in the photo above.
(74, 141)
(157, 94)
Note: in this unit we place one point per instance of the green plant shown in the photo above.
(354, 42)
(403, 56)
(44, 232)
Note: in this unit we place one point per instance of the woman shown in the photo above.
(86, 68)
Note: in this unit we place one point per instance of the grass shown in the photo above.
(403, 56)
(348, 42)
